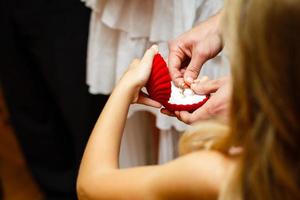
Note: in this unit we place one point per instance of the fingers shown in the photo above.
(145, 100)
(201, 113)
(175, 60)
(167, 112)
(216, 106)
(205, 86)
(147, 58)
(174, 63)
(184, 116)
(193, 69)
(201, 52)
(189, 118)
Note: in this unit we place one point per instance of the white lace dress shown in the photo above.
(121, 30)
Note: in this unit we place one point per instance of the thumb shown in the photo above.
(148, 57)
(193, 69)
(206, 87)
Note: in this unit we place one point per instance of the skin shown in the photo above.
(195, 47)
(196, 175)
(217, 105)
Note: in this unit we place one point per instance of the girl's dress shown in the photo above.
(121, 30)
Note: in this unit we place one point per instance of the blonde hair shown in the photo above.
(204, 136)
(263, 40)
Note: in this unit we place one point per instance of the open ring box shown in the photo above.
(161, 89)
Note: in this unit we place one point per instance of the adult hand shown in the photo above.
(216, 106)
(192, 49)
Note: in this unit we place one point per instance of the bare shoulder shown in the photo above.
(193, 176)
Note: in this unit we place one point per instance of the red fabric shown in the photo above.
(159, 83)
(159, 87)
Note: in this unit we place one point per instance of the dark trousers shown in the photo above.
(42, 71)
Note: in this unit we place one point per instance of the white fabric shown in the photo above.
(184, 97)
(121, 30)
(136, 148)
(168, 143)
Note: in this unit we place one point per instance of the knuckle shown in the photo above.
(180, 44)
(176, 44)
(201, 52)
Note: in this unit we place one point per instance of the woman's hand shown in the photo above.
(136, 78)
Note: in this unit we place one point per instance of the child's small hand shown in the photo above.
(137, 76)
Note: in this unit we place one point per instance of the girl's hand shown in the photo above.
(136, 78)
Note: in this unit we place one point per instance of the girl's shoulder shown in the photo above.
(195, 175)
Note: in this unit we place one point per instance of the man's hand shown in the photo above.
(192, 49)
(216, 106)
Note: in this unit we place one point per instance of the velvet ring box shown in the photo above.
(161, 89)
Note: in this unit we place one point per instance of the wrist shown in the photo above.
(218, 25)
(128, 88)
(217, 21)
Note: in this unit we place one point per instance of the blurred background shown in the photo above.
(43, 88)
(16, 181)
